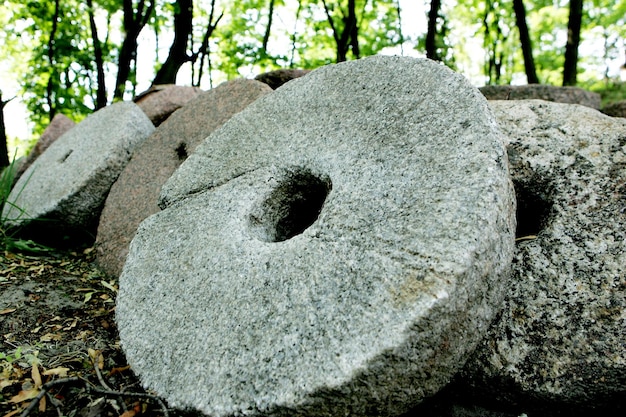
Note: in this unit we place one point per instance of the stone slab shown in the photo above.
(160, 101)
(337, 248)
(571, 95)
(616, 109)
(63, 191)
(562, 334)
(135, 194)
(57, 127)
(279, 77)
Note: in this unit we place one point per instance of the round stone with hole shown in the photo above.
(337, 248)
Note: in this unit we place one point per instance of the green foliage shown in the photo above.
(9, 241)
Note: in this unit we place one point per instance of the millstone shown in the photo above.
(337, 248)
(562, 333)
(62, 192)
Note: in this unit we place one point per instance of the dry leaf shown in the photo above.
(7, 311)
(119, 370)
(24, 396)
(36, 376)
(58, 371)
(48, 337)
(42, 404)
(109, 286)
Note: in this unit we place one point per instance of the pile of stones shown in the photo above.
(372, 238)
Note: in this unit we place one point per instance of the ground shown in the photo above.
(58, 332)
(59, 340)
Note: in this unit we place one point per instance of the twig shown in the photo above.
(111, 393)
(44, 389)
(120, 401)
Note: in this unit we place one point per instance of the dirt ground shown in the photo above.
(59, 340)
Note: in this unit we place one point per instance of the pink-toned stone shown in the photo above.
(135, 194)
(57, 127)
(279, 77)
(160, 101)
(570, 95)
(617, 109)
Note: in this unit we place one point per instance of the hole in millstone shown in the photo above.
(533, 208)
(291, 207)
(67, 155)
(181, 151)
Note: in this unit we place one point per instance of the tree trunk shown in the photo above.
(101, 94)
(204, 51)
(183, 21)
(347, 36)
(133, 24)
(573, 40)
(431, 33)
(268, 28)
(524, 36)
(51, 61)
(294, 36)
(4, 151)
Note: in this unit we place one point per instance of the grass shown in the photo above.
(9, 239)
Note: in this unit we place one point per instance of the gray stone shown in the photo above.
(57, 127)
(160, 101)
(64, 189)
(337, 248)
(571, 95)
(616, 109)
(562, 333)
(135, 194)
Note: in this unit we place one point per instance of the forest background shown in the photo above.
(76, 56)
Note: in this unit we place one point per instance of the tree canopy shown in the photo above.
(73, 56)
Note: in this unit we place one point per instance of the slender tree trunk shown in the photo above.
(399, 12)
(183, 21)
(268, 28)
(570, 66)
(101, 94)
(51, 61)
(4, 151)
(527, 47)
(133, 24)
(294, 36)
(204, 50)
(431, 33)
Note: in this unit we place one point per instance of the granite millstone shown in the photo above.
(64, 189)
(562, 334)
(337, 248)
(135, 194)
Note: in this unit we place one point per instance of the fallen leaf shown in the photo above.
(24, 396)
(48, 337)
(7, 311)
(119, 370)
(108, 285)
(14, 412)
(72, 325)
(36, 376)
(96, 357)
(8, 382)
(59, 371)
